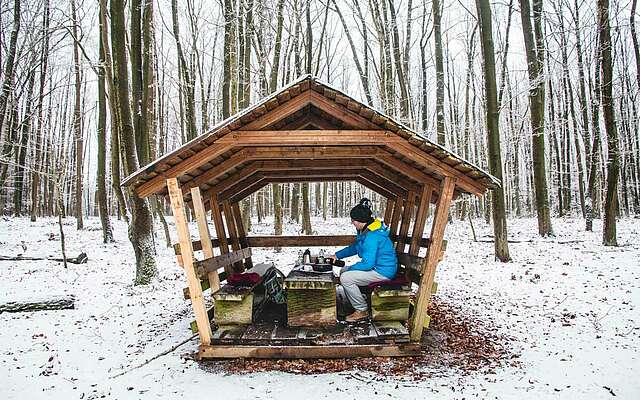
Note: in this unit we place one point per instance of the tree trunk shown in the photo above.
(115, 115)
(186, 83)
(44, 63)
(23, 147)
(609, 236)
(437, 18)
(405, 108)
(101, 196)
(634, 38)
(306, 213)
(8, 75)
(493, 132)
(535, 66)
(141, 226)
(77, 120)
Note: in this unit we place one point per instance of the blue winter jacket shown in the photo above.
(375, 249)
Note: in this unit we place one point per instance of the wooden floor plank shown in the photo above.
(391, 331)
(213, 351)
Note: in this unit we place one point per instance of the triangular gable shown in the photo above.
(303, 104)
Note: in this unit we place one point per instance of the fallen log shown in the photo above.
(29, 305)
(81, 259)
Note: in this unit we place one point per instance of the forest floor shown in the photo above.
(562, 320)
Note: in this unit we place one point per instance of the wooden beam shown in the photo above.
(292, 241)
(384, 182)
(205, 236)
(310, 138)
(311, 169)
(329, 351)
(202, 157)
(300, 241)
(421, 218)
(395, 218)
(406, 220)
(210, 265)
(233, 232)
(438, 166)
(431, 260)
(341, 112)
(313, 153)
(242, 235)
(218, 223)
(280, 112)
(218, 170)
(388, 211)
(236, 184)
(406, 169)
(309, 119)
(177, 205)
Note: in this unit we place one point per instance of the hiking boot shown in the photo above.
(357, 316)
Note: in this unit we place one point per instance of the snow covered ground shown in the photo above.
(571, 305)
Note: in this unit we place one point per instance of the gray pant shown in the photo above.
(350, 280)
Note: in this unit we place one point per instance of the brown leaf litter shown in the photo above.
(453, 343)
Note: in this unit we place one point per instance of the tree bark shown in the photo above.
(44, 64)
(609, 236)
(141, 226)
(437, 35)
(187, 85)
(405, 107)
(23, 145)
(77, 120)
(101, 196)
(9, 71)
(493, 132)
(535, 67)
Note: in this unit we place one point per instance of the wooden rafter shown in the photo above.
(311, 138)
(158, 182)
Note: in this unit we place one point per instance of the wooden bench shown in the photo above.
(233, 305)
(391, 302)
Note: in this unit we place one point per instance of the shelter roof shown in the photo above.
(309, 131)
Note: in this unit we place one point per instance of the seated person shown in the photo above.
(378, 258)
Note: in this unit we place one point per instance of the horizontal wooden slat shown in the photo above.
(310, 137)
(293, 241)
(213, 264)
(218, 351)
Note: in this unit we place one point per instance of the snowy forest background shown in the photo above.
(72, 127)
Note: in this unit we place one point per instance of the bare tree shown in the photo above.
(609, 236)
(535, 66)
(141, 226)
(493, 132)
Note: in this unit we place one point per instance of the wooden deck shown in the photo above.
(275, 340)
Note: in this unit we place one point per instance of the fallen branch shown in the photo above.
(54, 303)
(154, 357)
(81, 259)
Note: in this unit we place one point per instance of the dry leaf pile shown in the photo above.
(454, 343)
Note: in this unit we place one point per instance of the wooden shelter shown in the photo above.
(307, 131)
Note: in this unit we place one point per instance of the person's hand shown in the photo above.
(332, 258)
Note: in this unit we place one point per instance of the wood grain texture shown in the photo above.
(195, 290)
(433, 257)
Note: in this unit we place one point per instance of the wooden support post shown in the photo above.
(233, 232)
(186, 250)
(388, 211)
(431, 260)
(205, 236)
(218, 223)
(406, 220)
(395, 218)
(237, 216)
(421, 218)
